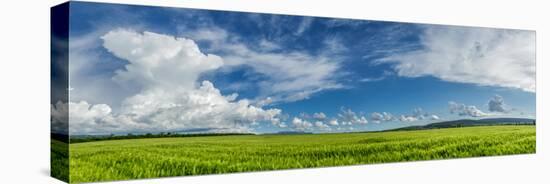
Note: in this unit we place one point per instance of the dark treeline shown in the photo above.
(82, 139)
(60, 137)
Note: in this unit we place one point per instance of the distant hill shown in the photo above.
(291, 132)
(471, 122)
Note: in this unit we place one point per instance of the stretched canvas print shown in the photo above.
(144, 92)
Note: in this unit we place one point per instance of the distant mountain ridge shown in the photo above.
(470, 122)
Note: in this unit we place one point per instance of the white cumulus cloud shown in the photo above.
(158, 61)
(321, 125)
(381, 117)
(59, 117)
(407, 118)
(166, 70)
(496, 104)
(333, 122)
(418, 114)
(464, 110)
(319, 116)
(348, 117)
(301, 124)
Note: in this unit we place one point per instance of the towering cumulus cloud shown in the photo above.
(166, 72)
(488, 57)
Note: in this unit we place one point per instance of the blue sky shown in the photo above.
(284, 69)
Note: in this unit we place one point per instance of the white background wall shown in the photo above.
(24, 94)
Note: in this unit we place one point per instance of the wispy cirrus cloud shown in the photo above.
(289, 75)
(482, 56)
(304, 25)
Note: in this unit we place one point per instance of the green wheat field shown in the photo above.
(184, 156)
